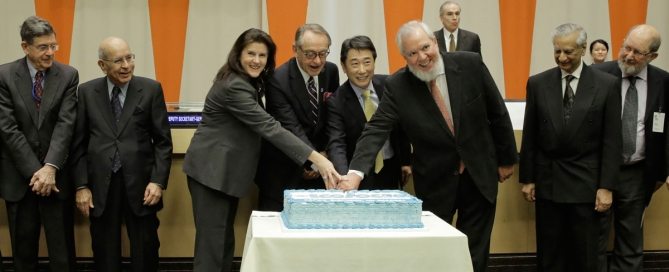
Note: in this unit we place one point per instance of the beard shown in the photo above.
(430, 75)
(630, 69)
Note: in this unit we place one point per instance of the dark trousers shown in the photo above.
(106, 232)
(567, 236)
(475, 219)
(214, 213)
(627, 215)
(25, 218)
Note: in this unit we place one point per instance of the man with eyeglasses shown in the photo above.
(643, 167)
(37, 115)
(122, 154)
(295, 97)
(570, 153)
(463, 144)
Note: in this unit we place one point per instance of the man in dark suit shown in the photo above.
(570, 153)
(37, 115)
(643, 165)
(295, 97)
(122, 157)
(452, 35)
(462, 137)
(348, 111)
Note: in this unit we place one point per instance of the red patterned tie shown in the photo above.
(439, 99)
(37, 88)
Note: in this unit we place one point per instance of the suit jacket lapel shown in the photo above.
(441, 41)
(353, 104)
(103, 102)
(426, 99)
(454, 82)
(653, 96)
(461, 40)
(299, 88)
(553, 98)
(52, 80)
(585, 93)
(132, 97)
(24, 85)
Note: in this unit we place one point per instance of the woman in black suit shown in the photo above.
(222, 157)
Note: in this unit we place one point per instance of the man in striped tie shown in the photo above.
(37, 115)
(295, 97)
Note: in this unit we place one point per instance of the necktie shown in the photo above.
(37, 88)
(313, 98)
(116, 110)
(439, 99)
(568, 100)
(441, 104)
(451, 45)
(630, 109)
(370, 109)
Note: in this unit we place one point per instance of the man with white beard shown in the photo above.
(644, 168)
(462, 137)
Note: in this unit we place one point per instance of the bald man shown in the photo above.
(122, 157)
(644, 164)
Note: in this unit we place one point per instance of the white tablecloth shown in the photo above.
(270, 247)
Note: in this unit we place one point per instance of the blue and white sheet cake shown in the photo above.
(331, 209)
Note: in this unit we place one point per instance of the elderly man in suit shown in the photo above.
(570, 153)
(37, 115)
(350, 108)
(296, 97)
(452, 37)
(122, 158)
(454, 116)
(643, 89)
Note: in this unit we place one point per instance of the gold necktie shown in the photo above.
(369, 109)
(451, 45)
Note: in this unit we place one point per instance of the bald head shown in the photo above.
(110, 44)
(647, 35)
(116, 60)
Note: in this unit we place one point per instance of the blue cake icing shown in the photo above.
(332, 209)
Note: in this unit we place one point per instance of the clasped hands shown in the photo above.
(43, 182)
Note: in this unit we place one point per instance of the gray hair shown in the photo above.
(34, 27)
(315, 28)
(569, 28)
(409, 28)
(441, 8)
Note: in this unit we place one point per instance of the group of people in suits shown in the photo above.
(104, 144)
(594, 151)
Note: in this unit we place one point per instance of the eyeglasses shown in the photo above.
(46, 47)
(119, 61)
(314, 54)
(636, 53)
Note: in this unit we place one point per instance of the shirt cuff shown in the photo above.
(54, 166)
(359, 173)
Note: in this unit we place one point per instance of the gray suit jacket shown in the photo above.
(142, 134)
(484, 135)
(569, 162)
(31, 138)
(224, 152)
(467, 41)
